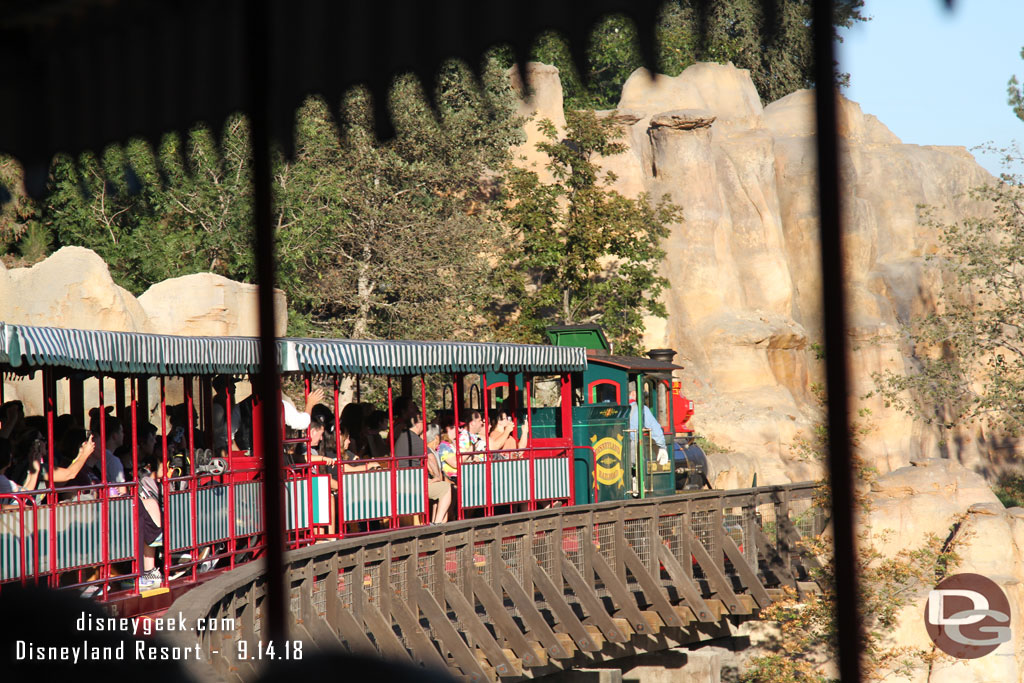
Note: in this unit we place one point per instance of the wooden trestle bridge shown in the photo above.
(525, 595)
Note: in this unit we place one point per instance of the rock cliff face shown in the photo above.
(930, 497)
(944, 498)
(745, 297)
(73, 288)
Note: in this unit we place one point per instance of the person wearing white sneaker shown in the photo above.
(150, 532)
(150, 579)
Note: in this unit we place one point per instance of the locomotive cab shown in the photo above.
(641, 450)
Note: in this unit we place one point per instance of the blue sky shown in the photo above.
(936, 77)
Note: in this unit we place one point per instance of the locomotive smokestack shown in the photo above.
(665, 355)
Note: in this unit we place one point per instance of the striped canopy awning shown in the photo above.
(28, 346)
(361, 357)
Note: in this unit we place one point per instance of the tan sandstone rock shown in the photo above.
(744, 263)
(745, 309)
(928, 497)
(206, 304)
(922, 498)
(72, 288)
(543, 100)
(6, 293)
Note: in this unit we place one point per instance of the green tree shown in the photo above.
(969, 353)
(1015, 94)
(404, 228)
(373, 239)
(581, 252)
(779, 56)
(183, 208)
(19, 229)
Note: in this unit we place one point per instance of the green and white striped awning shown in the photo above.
(334, 356)
(132, 352)
(28, 346)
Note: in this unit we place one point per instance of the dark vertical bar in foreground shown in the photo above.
(840, 462)
(258, 75)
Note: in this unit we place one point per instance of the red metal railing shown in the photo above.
(185, 544)
(209, 517)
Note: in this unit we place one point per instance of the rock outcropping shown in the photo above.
(206, 304)
(943, 498)
(745, 296)
(73, 288)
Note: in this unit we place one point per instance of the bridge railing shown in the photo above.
(523, 593)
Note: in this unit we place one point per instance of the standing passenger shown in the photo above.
(222, 386)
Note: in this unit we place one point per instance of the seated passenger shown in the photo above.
(151, 535)
(12, 420)
(320, 419)
(409, 446)
(439, 489)
(324, 415)
(72, 453)
(114, 432)
(178, 428)
(433, 436)
(346, 441)
(33, 422)
(446, 447)
(403, 409)
(351, 419)
(29, 455)
(6, 485)
(145, 437)
(145, 434)
(373, 427)
(471, 435)
(502, 436)
(61, 426)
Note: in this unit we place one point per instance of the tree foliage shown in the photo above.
(373, 239)
(155, 214)
(404, 228)
(400, 239)
(581, 252)
(1015, 94)
(969, 353)
(17, 212)
(778, 53)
